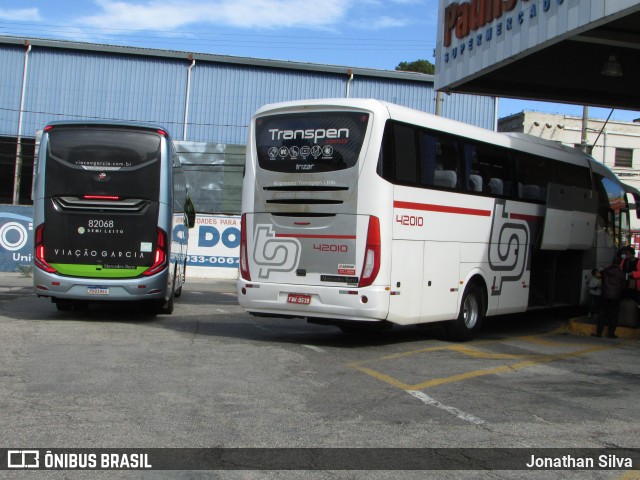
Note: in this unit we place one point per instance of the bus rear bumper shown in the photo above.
(368, 304)
(100, 289)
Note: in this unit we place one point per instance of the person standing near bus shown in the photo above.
(595, 292)
(613, 287)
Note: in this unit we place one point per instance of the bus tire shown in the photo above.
(469, 320)
(166, 307)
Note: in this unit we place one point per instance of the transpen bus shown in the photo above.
(111, 215)
(360, 212)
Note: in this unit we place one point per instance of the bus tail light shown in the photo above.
(371, 265)
(160, 256)
(244, 260)
(40, 262)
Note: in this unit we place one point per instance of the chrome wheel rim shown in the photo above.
(471, 311)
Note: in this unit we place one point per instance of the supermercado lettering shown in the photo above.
(471, 21)
(316, 135)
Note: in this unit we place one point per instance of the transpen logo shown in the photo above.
(309, 134)
(272, 254)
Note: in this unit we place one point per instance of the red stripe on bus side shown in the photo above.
(442, 208)
(301, 235)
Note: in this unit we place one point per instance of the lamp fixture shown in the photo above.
(611, 67)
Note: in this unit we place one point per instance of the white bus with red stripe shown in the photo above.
(358, 212)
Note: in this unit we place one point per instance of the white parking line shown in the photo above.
(314, 348)
(426, 399)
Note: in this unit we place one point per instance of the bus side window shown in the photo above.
(405, 155)
(534, 176)
(487, 169)
(439, 161)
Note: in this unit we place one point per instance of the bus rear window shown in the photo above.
(310, 142)
(103, 161)
(103, 149)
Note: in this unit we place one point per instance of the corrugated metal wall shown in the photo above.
(127, 84)
(228, 95)
(64, 84)
(12, 61)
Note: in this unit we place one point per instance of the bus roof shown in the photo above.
(107, 123)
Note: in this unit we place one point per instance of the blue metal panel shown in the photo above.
(12, 61)
(475, 110)
(224, 97)
(71, 84)
(75, 81)
(417, 95)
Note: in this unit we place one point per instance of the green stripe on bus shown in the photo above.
(95, 272)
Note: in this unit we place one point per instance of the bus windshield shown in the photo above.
(310, 142)
(118, 161)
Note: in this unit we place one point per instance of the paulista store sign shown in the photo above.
(476, 37)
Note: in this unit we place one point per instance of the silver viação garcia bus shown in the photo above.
(111, 215)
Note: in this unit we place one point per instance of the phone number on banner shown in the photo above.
(212, 261)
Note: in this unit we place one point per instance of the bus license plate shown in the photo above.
(299, 299)
(98, 290)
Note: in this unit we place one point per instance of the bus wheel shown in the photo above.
(165, 307)
(469, 320)
(178, 292)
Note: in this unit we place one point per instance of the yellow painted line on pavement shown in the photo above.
(395, 356)
(631, 475)
(543, 341)
(384, 378)
(475, 353)
(528, 361)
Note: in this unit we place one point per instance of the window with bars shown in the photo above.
(624, 157)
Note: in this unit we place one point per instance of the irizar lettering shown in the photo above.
(309, 134)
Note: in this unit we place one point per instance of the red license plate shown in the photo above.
(299, 299)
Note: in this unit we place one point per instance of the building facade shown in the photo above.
(197, 97)
(616, 144)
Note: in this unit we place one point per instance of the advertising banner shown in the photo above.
(214, 247)
(16, 238)
(214, 243)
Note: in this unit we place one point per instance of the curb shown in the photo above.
(587, 326)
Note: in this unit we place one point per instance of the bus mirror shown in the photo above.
(190, 210)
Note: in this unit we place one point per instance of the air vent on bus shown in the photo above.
(303, 215)
(70, 204)
(306, 201)
(305, 188)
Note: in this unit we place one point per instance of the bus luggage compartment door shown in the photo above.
(570, 220)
